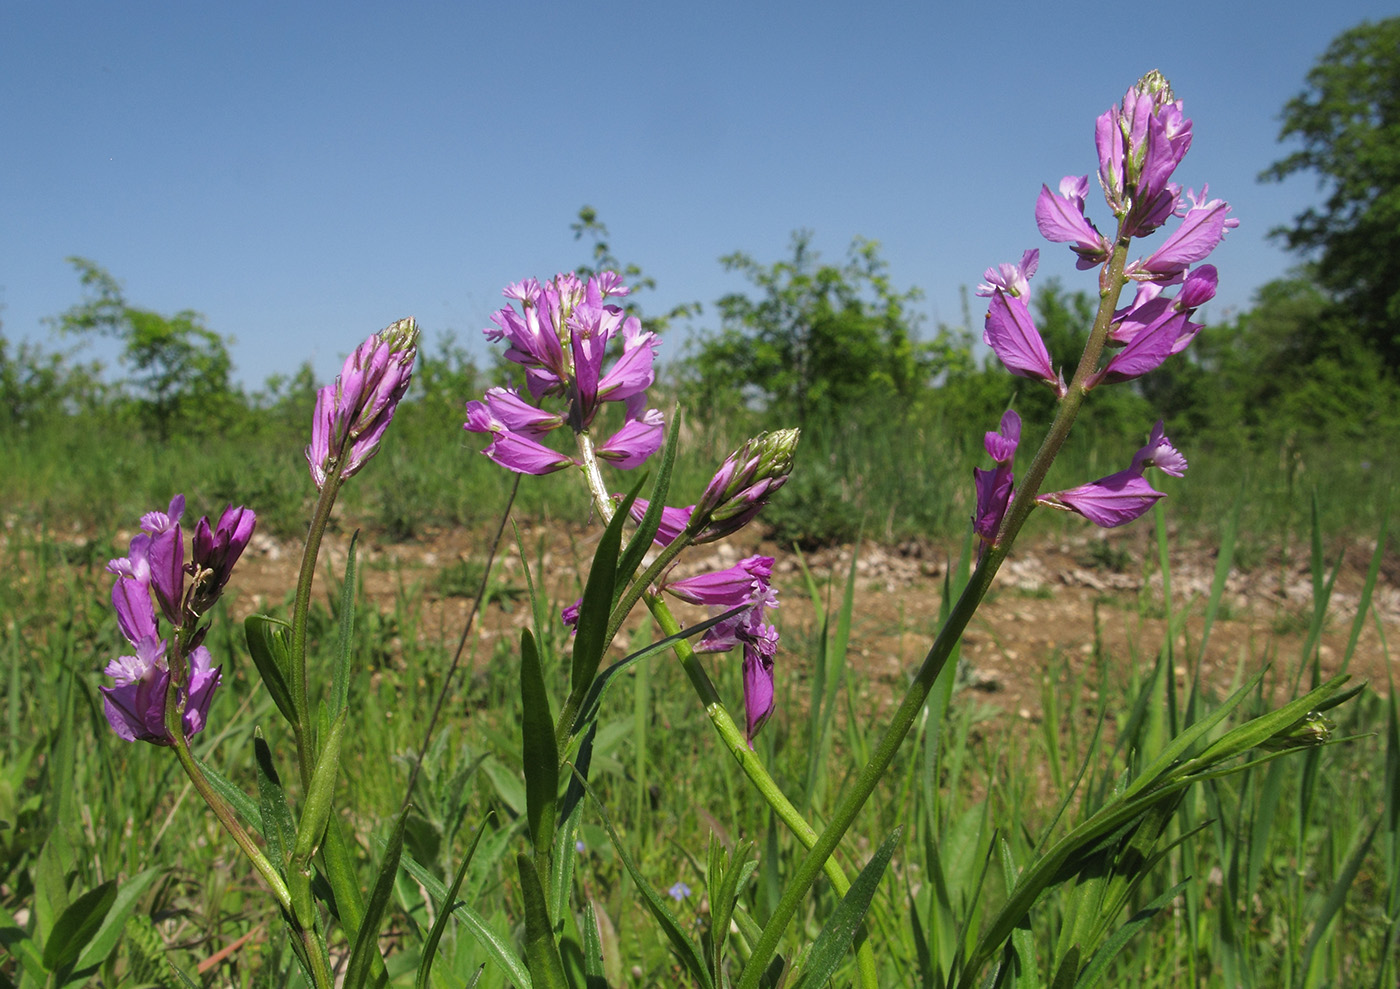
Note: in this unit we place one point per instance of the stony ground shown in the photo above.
(1071, 600)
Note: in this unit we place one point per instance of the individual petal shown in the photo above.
(1001, 445)
(165, 554)
(1013, 279)
(746, 582)
(758, 689)
(1200, 230)
(1160, 453)
(506, 407)
(1149, 348)
(1199, 288)
(1012, 335)
(633, 373)
(674, 521)
(520, 453)
(1061, 219)
(135, 614)
(637, 440)
(1110, 501)
(204, 680)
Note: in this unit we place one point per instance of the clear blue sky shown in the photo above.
(303, 174)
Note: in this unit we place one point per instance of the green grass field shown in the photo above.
(1286, 874)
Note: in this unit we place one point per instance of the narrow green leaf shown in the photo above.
(270, 647)
(318, 798)
(839, 930)
(641, 539)
(246, 807)
(340, 676)
(592, 950)
(77, 925)
(366, 948)
(496, 945)
(590, 640)
(540, 754)
(686, 950)
(541, 951)
(1098, 965)
(278, 829)
(444, 911)
(123, 906)
(1336, 895)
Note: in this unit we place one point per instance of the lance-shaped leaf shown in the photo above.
(497, 945)
(318, 798)
(77, 925)
(541, 756)
(835, 938)
(366, 949)
(270, 647)
(278, 830)
(541, 951)
(340, 677)
(444, 911)
(686, 950)
(641, 539)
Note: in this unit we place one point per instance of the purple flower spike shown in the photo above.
(1120, 498)
(353, 412)
(1061, 219)
(1012, 335)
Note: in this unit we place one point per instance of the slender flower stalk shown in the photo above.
(1139, 145)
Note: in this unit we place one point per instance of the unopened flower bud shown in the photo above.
(353, 412)
(743, 484)
(1313, 728)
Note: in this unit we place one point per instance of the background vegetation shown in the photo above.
(1298, 394)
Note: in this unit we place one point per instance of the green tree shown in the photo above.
(1348, 119)
(181, 367)
(819, 340)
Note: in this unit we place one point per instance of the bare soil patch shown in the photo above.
(1050, 600)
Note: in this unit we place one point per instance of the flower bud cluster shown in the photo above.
(153, 573)
(353, 412)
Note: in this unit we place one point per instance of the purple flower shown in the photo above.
(744, 482)
(746, 583)
(1061, 219)
(1203, 226)
(1120, 498)
(994, 487)
(637, 440)
(1013, 279)
(1154, 327)
(215, 551)
(135, 705)
(353, 412)
(561, 337)
(1012, 335)
(679, 891)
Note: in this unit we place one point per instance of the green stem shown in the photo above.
(855, 796)
(301, 607)
(725, 727)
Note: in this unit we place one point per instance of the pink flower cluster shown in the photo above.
(561, 336)
(1140, 144)
(155, 566)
